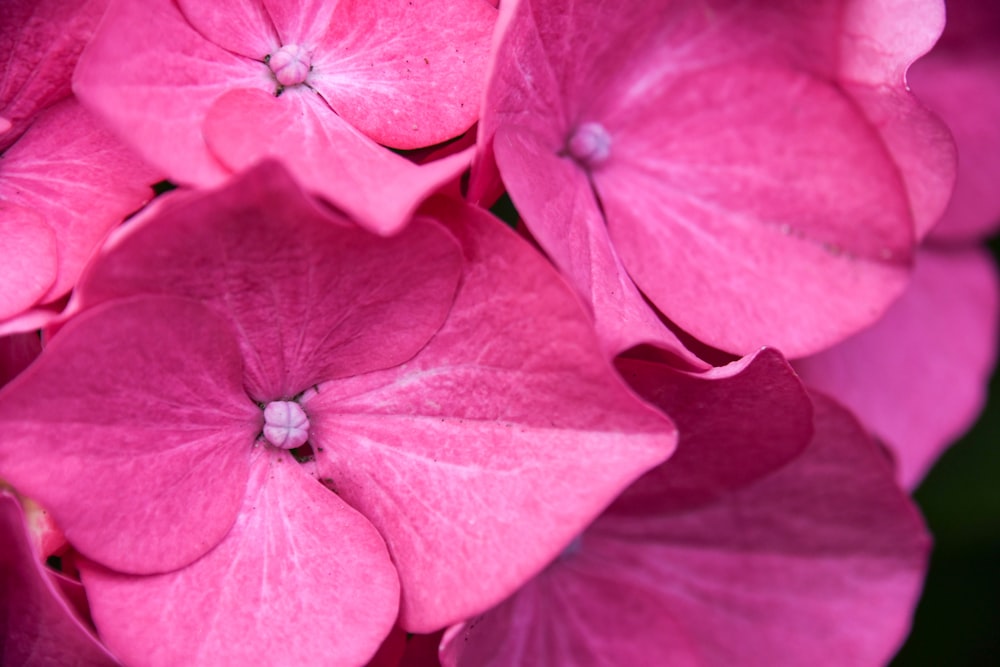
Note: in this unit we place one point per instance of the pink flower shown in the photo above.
(206, 89)
(743, 549)
(757, 169)
(41, 624)
(454, 398)
(64, 180)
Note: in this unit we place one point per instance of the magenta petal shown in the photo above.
(375, 186)
(756, 408)
(17, 351)
(406, 74)
(30, 258)
(69, 169)
(483, 456)
(312, 297)
(823, 558)
(134, 431)
(152, 78)
(39, 625)
(240, 26)
(919, 377)
(574, 234)
(302, 22)
(301, 579)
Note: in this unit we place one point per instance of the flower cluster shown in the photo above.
(278, 388)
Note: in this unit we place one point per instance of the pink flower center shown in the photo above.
(290, 65)
(285, 424)
(589, 145)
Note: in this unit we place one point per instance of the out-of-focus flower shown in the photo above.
(206, 89)
(705, 563)
(758, 169)
(64, 179)
(443, 389)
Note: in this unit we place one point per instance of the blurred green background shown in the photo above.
(958, 621)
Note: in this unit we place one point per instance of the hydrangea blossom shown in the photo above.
(160, 426)
(758, 169)
(206, 89)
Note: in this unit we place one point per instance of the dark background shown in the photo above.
(958, 621)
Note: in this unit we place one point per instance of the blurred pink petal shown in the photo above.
(31, 258)
(507, 433)
(40, 626)
(824, 557)
(918, 378)
(300, 575)
(140, 423)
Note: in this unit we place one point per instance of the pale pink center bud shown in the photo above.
(590, 144)
(285, 424)
(290, 64)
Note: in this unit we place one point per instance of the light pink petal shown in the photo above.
(544, 186)
(301, 579)
(30, 258)
(312, 297)
(70, 170)
(152, 78)
(373, 185)
(40, 41)
(240, 26)
(406, 74)
(39, 625)
(757, 406)
(302, 22)
(132, 423)
(965, 67)
(919, 377)
(479, 459)
(823, 558)
(755, 206)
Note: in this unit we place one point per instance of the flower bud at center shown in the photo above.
(290, 64)
(285, 424)
(589, 145)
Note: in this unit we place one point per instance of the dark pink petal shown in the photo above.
(40, 41)
(577, 241)
(960, 81)
(134, 423)
(373, 185)
(39, 625)
(30, 258)
(17, 351)
(406, 74)
(312, 297)
(757, 406)
(70, 170)
(918, 378)
(480, 458)
(722, 232)
(301, 579)
(823, 558)
(153, 78)
(240, 26)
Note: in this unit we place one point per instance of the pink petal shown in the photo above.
(303, 22)
(756, 406)
(40, 41)
(312, 297)
(70, 170)
(371, 184)
(240, 26)
(964, 66)
(17, 351)
(919, 377)
(152, 78)
(301, 579)
(40, 626)
(823, 558)
(479, 459)
(31, 258)
(132, 423)
(406, 74)
(542, 185)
